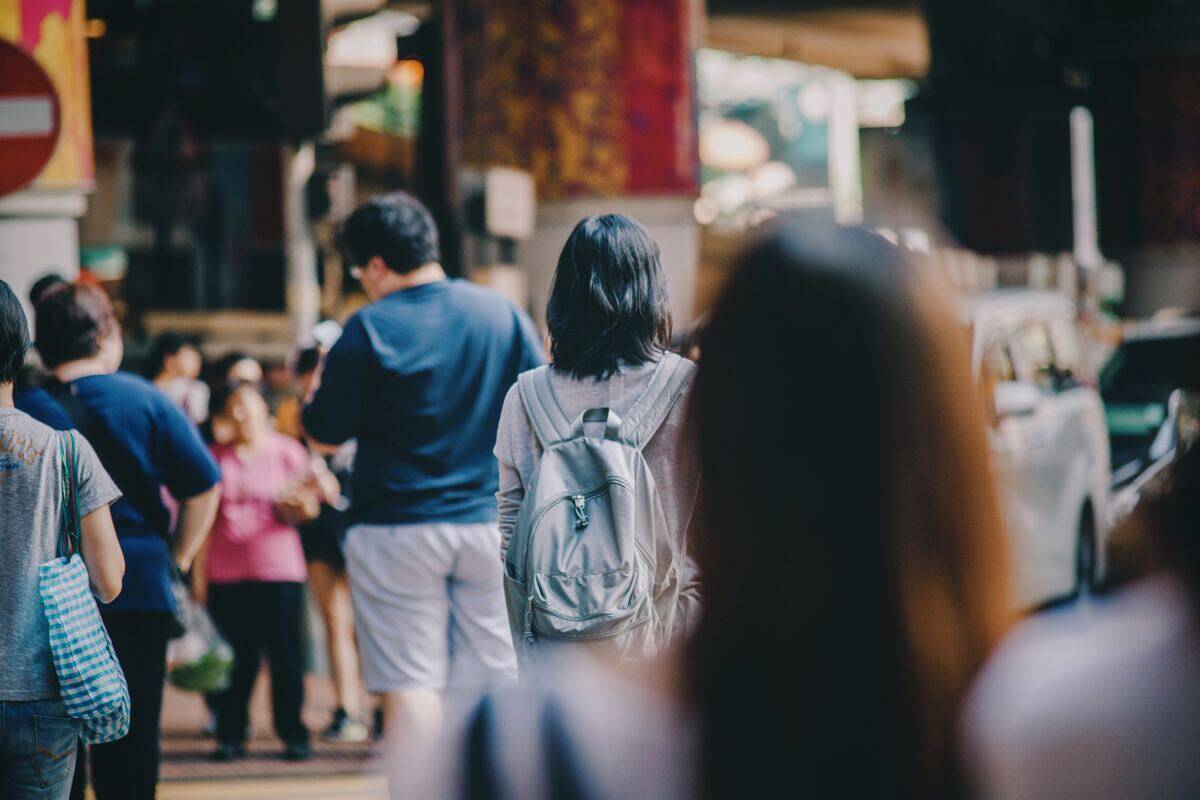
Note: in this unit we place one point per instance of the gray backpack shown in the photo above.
(583, 563)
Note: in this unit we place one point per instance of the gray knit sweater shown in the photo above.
(670, 454)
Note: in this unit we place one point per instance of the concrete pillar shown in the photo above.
(39, 233)
(303, 291)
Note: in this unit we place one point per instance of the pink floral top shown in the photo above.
(249, 542)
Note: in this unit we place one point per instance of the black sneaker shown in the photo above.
(229, 751)
(297, 751)
(344, 729)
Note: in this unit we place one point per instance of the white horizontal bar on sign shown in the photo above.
(26, 116)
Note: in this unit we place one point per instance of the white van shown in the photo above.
(1048, 439)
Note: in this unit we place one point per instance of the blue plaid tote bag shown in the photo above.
(89, 677)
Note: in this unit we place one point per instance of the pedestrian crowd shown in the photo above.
(583, 566)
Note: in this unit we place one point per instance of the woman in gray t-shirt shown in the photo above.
(38, 744)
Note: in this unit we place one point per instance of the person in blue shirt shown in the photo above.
(418, 378)
(147, 445)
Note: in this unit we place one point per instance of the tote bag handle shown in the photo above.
(71, 524)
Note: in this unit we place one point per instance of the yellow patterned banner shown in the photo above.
(593, 97)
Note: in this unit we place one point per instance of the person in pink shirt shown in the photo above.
(254, 568)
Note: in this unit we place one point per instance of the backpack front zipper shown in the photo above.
(594, 637)
(581, 517)
(579, 504)
(552, 502)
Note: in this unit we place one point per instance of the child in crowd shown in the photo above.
(233, 367)
(327, 579)
(254, 568)
(175, 364)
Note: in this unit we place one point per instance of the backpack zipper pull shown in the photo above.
(529, 618)
(581, 517)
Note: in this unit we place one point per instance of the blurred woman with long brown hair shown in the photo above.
(851, 558)
(853, 561)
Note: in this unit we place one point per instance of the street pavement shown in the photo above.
(336, 771)
(351, 771)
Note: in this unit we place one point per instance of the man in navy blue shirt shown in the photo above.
(146, 444)
(418, 378)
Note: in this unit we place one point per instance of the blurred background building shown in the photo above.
(209, 147)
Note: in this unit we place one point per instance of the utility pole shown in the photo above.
(303, 291)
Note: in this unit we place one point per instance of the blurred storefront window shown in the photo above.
(780, 137)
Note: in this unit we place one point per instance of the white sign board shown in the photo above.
(509, 203)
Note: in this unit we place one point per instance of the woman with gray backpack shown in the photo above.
(54, 494)
(598, 476)
(853, 556)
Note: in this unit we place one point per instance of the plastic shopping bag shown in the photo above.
(199, 660)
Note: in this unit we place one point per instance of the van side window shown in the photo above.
(997, 365)
(1033, 357)
(1069, 357)
(996, 368)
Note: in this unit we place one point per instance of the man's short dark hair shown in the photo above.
(72, 320)
(608, 307)
(396, 227)
(14, 334)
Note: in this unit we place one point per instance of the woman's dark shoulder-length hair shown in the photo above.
(14, 335)
(608, 307)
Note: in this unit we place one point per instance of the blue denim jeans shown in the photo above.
(37, 749)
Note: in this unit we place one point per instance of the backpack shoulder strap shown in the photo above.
(648, 413)
(565, 778)
(545, 415)
(481, 780)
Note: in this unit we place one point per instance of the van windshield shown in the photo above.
(1136, 384)
(1150, 369)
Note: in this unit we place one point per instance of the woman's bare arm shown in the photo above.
(102, 554)
(196, 515)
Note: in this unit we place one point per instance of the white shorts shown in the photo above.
(429, 606)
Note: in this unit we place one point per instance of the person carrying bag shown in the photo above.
(39, 737)
(90, 678)
(151, 450)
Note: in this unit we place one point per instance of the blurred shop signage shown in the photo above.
(509, 203)
(359, 54)
(30, 119)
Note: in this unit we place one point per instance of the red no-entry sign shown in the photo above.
(29, 118)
